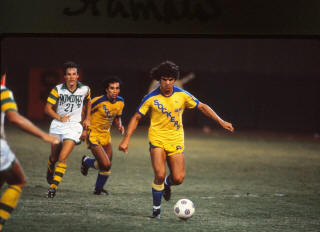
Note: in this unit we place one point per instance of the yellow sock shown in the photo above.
(105, 173)
(8, 203)
(158, 187)
(58, 175)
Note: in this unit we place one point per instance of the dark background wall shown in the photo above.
(256, 83)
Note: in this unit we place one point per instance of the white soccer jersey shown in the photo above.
(67, 102)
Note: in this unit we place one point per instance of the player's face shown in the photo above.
(71, 77)
(166, 84)
(113, 90)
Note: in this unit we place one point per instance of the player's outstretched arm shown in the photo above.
(206, 110)
(134, 121)
(26, 125)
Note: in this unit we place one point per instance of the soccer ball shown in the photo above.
(184, 209)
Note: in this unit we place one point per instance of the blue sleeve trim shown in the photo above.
(197, 101)
(140, 113)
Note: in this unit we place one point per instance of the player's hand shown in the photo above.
(227, 125)
(121, 129)
(124, 145)
(51, 139)
(65, 118)
(84, 135)
(86, 123)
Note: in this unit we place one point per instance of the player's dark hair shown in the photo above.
(165, 69)
(70, 64)
(111, 80)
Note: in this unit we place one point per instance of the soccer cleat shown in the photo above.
(100, 192)
(84, 167)
(49, 176)
(51, 192)
(167, 192)
(156, 214)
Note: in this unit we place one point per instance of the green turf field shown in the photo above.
(237, 183)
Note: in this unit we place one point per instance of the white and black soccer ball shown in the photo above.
(184, 209)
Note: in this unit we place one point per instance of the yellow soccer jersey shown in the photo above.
(7, 103)
(103, 113)
(166, 114)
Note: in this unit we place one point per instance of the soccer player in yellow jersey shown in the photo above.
(166, 136)
(105, 110)
(10, 169)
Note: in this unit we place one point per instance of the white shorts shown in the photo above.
(7, 157)
(66, 130)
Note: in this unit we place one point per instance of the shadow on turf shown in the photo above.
(41, 192)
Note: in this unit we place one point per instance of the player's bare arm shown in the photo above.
(85, 131)
(84, 134)
(48, 109)
(206, 110)
(26, 125)
(119, 126)
(134, 121)
(86, 121)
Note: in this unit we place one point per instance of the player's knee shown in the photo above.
(105, 166)
(178, 179)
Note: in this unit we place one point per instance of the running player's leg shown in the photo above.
(108, 149)
(53, 158)
(158, 160)
(177, 168)
(16, 176)
(60, 169)
(102, 155)
(94, 140)
(177, 173)
(9, 200)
